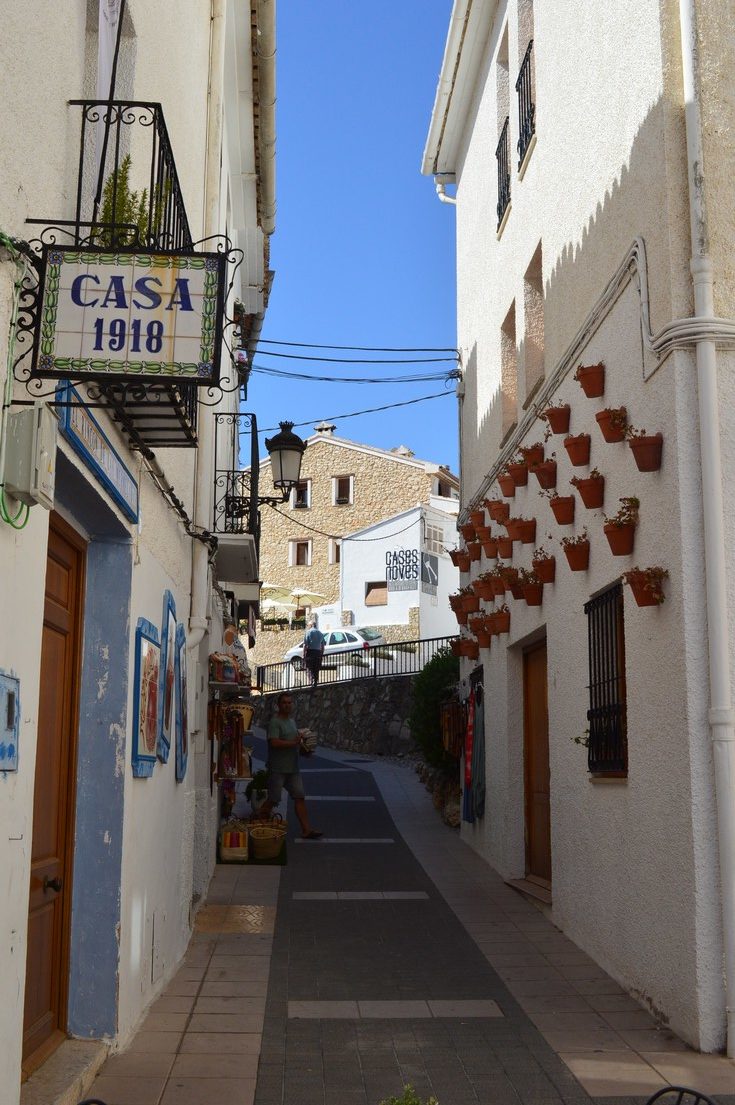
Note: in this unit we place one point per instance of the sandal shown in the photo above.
(313, 834)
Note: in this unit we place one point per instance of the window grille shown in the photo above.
(607, 715)
(434, 539)
(502, 155)
(526, 106)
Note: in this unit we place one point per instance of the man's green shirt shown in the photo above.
(283, 760)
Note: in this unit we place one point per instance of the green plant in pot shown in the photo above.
(256, 791)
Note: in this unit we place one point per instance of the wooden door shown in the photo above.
(536, 742)
(53, 802)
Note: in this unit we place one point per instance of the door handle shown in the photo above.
(52, 884)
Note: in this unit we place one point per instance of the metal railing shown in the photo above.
(607, 716)
(235, 490)
(526, 106)
(380, 661)
(502, 156)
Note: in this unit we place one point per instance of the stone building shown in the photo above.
(582, 149)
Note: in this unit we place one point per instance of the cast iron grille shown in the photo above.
(608, 736)
(235, 489)
(526, 106)
(502, 156)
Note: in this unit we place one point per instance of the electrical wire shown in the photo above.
(358, 348)
(356, 360)
(355, 414)
(340, 536)
(419, 378)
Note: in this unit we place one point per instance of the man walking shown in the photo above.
(284, 741)
(314, 642)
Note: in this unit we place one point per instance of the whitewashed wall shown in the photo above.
(364, 561)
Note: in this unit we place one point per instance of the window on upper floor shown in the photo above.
(533, 314)
(509, 370)
(299, 553)
(335, 550)
(434, 539)
(526, 82)
(301, 495)
(607, 752)
(343, 490)
(502, 152)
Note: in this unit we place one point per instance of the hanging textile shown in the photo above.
(467, 802)
(478, 754)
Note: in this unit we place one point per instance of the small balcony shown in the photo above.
(526, 105)
(236, 520)
(502, 156)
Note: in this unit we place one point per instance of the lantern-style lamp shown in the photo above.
(286, 451)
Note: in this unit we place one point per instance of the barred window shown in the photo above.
(607, 715)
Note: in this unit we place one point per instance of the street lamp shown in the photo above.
(286, 451)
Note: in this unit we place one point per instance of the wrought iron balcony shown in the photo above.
(502, 156)
(235, 490)
(526, 106)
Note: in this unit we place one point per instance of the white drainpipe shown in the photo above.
(721, 717)
(441, 180)
(198, 624)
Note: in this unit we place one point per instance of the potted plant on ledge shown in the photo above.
(647, 584)
(620, 529)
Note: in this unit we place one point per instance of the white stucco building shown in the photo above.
(112, 860)
(587, 152)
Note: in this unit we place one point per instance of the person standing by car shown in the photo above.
(284, 741)
(313, 651)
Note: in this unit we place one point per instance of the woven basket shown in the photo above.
(266, 841)
(231, 851)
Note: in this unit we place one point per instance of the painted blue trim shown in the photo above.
(168, 636)
(65, 393)
(143, 762)
(182, 711)
(101, 757)
(10, 736)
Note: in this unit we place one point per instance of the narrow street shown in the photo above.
(389, 953)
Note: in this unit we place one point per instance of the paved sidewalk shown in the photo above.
(390, 953)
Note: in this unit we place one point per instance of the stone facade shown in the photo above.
(383, 484)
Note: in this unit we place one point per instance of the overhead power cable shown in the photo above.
(356, 360)
(340, 536)
(407, 379)
(357, 348)
(355, 414)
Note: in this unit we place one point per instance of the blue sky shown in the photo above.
(363, 250)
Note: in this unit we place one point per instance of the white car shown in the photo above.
(339, 640)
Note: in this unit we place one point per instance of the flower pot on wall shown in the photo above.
(578, 449)
(484, 639)
(592, 491)
(591, 379)
(505, 547)
(474, 548)
(578, 556)
(460, 559)
(499, 585)
(513, 528)
(461, 617)
(469, 649)
(477, 518)
(477, 624)
(613, 422)
(518, 473)
(490, 548)
(497, 509)
(454, 645)
(533, 455)
(467, 530)
(483, 533)
(647, 588)
(558, 418)
(470, 604)
(545, 569)
(484, 589)
(647, 452)
(545, 473)
(501, 621)
(533, 593)
(563, 509)
(620, 538)
(507, 485)
(527, 531)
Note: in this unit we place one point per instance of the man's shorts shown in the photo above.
(292, 783)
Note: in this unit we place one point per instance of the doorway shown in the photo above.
(537, 773)
(47, 960)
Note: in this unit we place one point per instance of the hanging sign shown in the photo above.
(429, 573)
(130, 315)
(402, 569)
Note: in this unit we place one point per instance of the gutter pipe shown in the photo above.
(721, 717)
(441, 180)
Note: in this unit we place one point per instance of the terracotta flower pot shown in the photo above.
(558, 418)
(475, 550)
(591, 379)
(592, 491)
(533, 593)
(513, 528)
(518, 473)
(515, 587)
(563, 509)
(645, 592)
(483, 533)
(579, 449)
(456, 555)
(477, 624)
(545, 569)
(501, 621)
(505, 547)
(490, 548)
(613, 422)
(454, 645)
(499, 586)
(497, 509)
(647, 452)
(484, 639)
(477, 517)
(527, 531)
(469, 649)
(620, 538)
(461, 617)
(578, 556)
(545, 473)
(470, 604)
(533, 455)
(463, 561)
(507, 485)
(484, 589)
(467, 530)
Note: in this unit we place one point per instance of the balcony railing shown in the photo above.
(607, 715)
(502, 156)
(235, 490)
(526, 106)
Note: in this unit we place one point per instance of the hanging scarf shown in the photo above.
(478, 756)
(467, 803)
